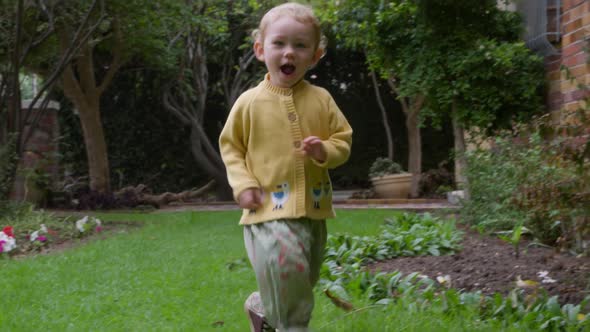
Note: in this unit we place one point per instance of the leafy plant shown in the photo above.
(343, 274)
(384, 166)
(560, 206)
(513, 237)
(406, 235)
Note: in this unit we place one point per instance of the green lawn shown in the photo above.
(173, 275)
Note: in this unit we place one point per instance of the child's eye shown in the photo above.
(300, 45)
(277, 43)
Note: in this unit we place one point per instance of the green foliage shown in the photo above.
(491, 85)
(405, 235)
(460, 54)
(513, 237)
(344, 276)
(384, 166)
(495, 175)
(559, 206)
(8, 164)
(534, 181)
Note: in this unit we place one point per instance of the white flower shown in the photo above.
(544, 275)
(98, 222)
(8, 242)
(81, 223)
(34, 236)
(444, 280)
(43, 228)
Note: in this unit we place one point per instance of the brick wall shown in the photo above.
(41, 149)
(564, 95)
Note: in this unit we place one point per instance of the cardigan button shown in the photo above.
(297, 144)
(292, 116)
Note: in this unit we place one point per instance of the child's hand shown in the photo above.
(313, 147)
(250, 198)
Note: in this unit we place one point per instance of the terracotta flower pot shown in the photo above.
(392, 186)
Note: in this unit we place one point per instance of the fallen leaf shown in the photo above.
(218, 323)
(340, 303)
(526, 283)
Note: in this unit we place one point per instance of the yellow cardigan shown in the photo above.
(261, 147)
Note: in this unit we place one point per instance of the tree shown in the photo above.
(219, 30)
(387, 33)
(97, 37)
(494, 79)
(127, 28)
(25, 27)
(443, 57)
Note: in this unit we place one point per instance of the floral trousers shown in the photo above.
(286, 256)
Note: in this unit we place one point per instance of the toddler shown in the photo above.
(279, 141)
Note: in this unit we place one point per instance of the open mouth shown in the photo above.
(287, 69)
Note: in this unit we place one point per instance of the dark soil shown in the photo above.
(490, 265)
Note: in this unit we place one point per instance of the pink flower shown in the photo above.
(98, 229)
(42, 238)
(2, 245)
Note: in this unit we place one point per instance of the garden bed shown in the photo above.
(59, 244)
(489, 265)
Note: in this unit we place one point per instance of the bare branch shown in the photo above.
(393, 86)
(383, 115)
(117, 57)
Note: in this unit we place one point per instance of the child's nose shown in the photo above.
(289, 51)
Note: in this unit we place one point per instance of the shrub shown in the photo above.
(437, 182)
(493, 176)
(537, 178)
(559, 204)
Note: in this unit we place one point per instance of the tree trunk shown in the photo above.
(84, 90)
(189, 107)
(384, 117)
(87, 103)
(414, 148)
(96, 147)
(207, 157)
(460, 149)
(411, 108)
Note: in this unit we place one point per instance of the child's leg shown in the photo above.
(287, 256)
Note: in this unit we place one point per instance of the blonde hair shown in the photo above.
(299, 12)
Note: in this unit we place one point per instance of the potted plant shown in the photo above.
(389, 179)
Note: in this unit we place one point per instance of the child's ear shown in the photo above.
(259, 50)
(319, 53)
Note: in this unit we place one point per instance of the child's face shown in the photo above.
(288, 50)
